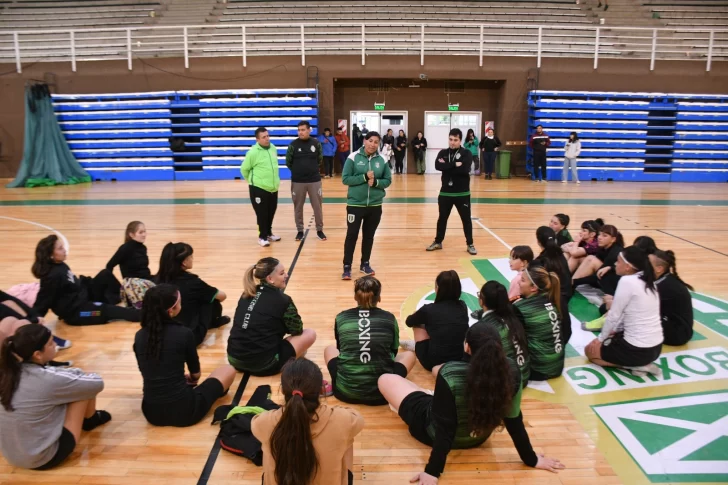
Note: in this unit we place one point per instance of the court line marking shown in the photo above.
(477, 221)
(54, 231)
(215, 451)
(693, 243)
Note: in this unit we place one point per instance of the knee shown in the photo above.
(310, 335)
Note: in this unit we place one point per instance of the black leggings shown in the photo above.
(399, 160)
(367, 219)
(462, 204)
(95, 313)
(489, 158)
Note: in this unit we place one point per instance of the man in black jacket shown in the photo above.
(454, 163)
(304, 158)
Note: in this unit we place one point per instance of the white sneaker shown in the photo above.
(263, 243)
(578, 183)
(407, 345)
(643, 370)
(274, 238)
(563, 181)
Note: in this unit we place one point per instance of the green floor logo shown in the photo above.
(676, 439)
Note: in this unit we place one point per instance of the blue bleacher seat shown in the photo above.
(636, 136)
(127, 136)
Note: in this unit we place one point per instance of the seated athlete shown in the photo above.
(676, 304)
(439, 328)
(472, 398)
(367, 339)
(265, 315)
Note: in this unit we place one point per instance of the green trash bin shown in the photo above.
(503, 164)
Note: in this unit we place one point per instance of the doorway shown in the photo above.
(381, 121)
(437, 127)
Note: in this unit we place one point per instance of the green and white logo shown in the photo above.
(676, 439)
(677, 367)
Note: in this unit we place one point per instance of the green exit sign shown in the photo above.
(378, 106)
(453, 107)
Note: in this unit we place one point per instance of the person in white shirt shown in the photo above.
(632, 333)
(572, 149)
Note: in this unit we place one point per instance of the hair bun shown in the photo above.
(599, 221)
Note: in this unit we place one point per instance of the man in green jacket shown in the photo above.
(367, 174)
(260, 169)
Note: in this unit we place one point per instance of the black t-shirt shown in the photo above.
(676, 310)
(446, 323)
(195, 293)
(260, 324)
(609, 256)
(562, 270)
(164, 379)
(60, 291)
(132, 259)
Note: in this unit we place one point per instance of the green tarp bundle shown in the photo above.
(47, 160)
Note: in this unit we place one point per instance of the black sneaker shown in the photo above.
(100, 417)
(366, 269)
(222, 321)
(321, 235)
(477, 314)
(346, 275)
(299, 236)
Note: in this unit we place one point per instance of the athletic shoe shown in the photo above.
(274, 238)
(299, 236)
(366, 269)
(563, 181)
(643, 370)
(407, 345)
(60, 363)
(327, 389)
(477, 172)
(346, 275)
(578, 182)
(595, 325)
(263, 243)
(434, 246)
(100, 417)
(472, 250)
(61, 343)
(477, 314)
(321, 235)
(221, 321)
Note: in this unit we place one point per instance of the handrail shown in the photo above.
(476, 39)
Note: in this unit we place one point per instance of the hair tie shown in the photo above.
(297, 393)
(550, 238)
(179, 297)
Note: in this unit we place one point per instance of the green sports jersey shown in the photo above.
(367, 339)
(542, 323)
(513, 351)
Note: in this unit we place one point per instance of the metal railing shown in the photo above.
(377, 38)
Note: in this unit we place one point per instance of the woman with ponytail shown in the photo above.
(676, 304)
(560, 224)
(43, 409)
(472, 398)
(498, 312)
(202, 303)
(552, 258)
(367, 339)
(588, 245)
(599, 270)
(632, 333)
(265, 315)
(162, 348)
(540, 311)
(306, 442)
(75, 300)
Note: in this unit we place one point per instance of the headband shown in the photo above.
(531, 280)
(621, 255)
(179, 297)
(297, 393)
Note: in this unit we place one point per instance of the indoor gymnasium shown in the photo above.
(313, 243)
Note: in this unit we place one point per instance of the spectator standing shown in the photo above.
(342, 147)
(419, 144)
(489, 145)
(539, 142)
(572, 149)
(471, 143)
(328, 146)
(400, 151)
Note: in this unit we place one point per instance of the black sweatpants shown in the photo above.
(539, 162)
(329, 166)
(265, 204)
(489, 158)
(361, 217)
(399, 160)
(462, 204)
(95, 313)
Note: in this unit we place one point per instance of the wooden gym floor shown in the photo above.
(218, 221)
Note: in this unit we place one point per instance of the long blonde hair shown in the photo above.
(547, 281)
(259, 271)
